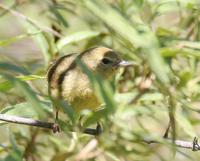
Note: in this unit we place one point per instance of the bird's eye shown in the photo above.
(106, 61)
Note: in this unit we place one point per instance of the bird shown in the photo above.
(67, 81)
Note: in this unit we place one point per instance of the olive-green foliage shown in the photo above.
(161, 37)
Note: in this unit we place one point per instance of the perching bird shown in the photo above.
(67, 81)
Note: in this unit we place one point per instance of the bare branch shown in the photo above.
(49, 125)
(179, 143)
(42, 124)
(26, 121)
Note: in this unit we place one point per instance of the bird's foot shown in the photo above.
(55, 128)
(94, 132)
(99, 129)
(196, 146)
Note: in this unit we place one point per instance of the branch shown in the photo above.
(42, 124)
(49, 125)
(179, 143)
(27, 121)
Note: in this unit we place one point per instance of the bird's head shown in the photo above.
(103, 60)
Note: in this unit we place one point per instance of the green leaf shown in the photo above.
(172, 52)
(40, 39)
(169, 52)
(58, 15)
(112, 156)
(7, 85)
(186, 125)
(17, 38)
(57, 142)
(76, 37)
(95, 117)
(30, 96)
(141, 36)
(13, 68)
(163, 32)
(15, 154)
(28, 93)
(22, 109)
(67, 109)
(25, 109)
(190, 44)
(184, 76)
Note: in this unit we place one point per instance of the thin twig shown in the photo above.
(49, 125)
(31, 21)
(26, 121)
(38, 123)
(179, 143)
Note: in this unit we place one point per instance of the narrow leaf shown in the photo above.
(7, 85)
(11, 67)
(76, 37)
(185, 124)
(141, 36)
(28, 93)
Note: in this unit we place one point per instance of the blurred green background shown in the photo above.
(160, 36)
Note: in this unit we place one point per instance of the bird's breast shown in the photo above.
(77, 91)
(89, 101)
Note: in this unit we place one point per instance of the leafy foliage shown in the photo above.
(161, 37)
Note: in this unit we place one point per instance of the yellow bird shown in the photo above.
(67, 81)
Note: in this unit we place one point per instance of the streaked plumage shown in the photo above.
(67, 81)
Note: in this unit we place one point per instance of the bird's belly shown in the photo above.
(77, 91)
(85, 102)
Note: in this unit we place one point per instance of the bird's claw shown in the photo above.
(94, 132)
(56, 128)
(98, 129)
(196, 146)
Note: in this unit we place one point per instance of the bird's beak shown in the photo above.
(124, 63)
